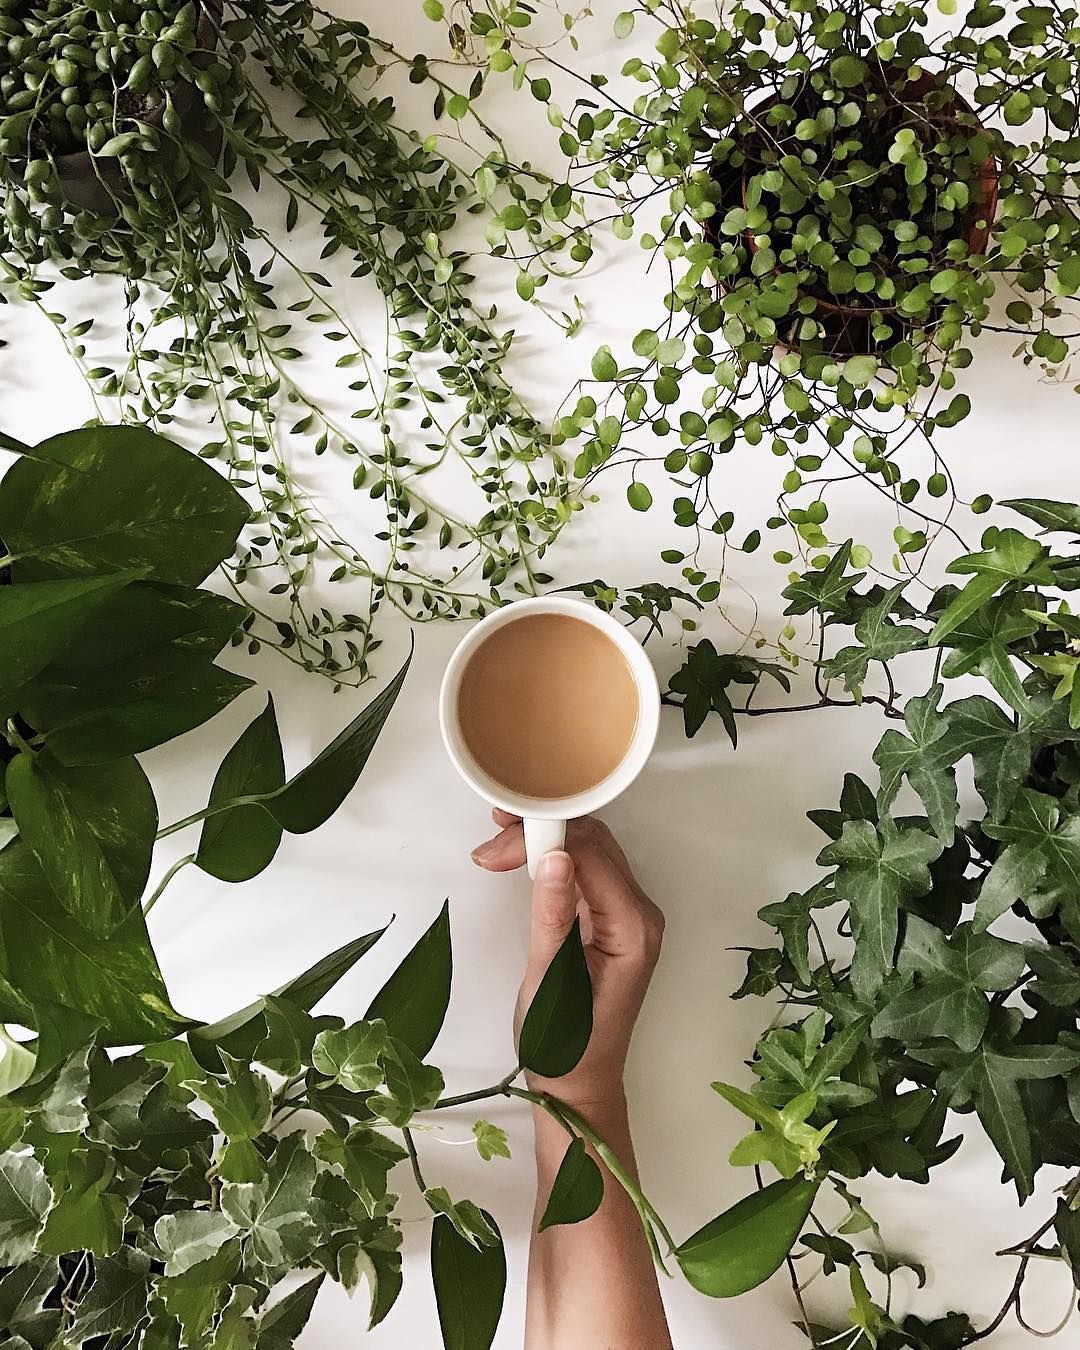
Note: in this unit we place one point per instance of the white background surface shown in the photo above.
(714, 834)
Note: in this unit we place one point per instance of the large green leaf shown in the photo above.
(236, 845)
(40, 619)
(112, 498)
(877, 869)
(1009, 556)
(198, 1295)
(91, 829)
(116, 1301)
(413, 1001)
(1000, 753)
(241, 1032)
(743, 1246)
(24, 1201)
(1040, 863)
(556, 1029)
(113, 980)
(90, 717)
(191, 1236)
(283, 1321)
(87, 1216)
(954, 976)
(577, 1190)
(469, 1285)
(275, 1214)
(920, 760)
(1050, 515)
(148, 615)
(24, 1293)
(316, 792)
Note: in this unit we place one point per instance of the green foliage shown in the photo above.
(577, 1190)
(558, 1022)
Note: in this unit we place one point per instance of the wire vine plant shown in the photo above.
(125, 132)
(845, 196)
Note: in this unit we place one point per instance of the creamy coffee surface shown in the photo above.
(548, 706)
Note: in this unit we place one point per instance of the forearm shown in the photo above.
(592, 1285)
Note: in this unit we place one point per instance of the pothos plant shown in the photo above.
(156, 1197)
(953, 984)
(129, 134)
(846, 197)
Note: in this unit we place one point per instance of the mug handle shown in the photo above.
(542, 836)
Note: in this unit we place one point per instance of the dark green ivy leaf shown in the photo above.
(919, 760)
(283, 1321)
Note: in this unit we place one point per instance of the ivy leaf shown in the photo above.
(351, 1056)
(39, 619)
(413, 1001)
(236, 1329)
(989, 1077)
(577, 1190)
(411, 1086)
(1000, 753)
(191, 1237)
(1011, 556)
(312, 796)
(275, 1214)
(791, 918)
(470, 1283)
(106, 499)
(556, 1029)
(919, 760)
(365, 1157)
(782, 1138)
(879, 638)
(953, 976)
(92, 831)
(1050, 515)
(281, 1323)
(116, 1301)
(704, 679)
(196, 1297)
(825, 591)
(470, 1222)
(24, 1293)
(1057, 975)
(113, 980)
(741, 1248)
(25, 1197)
(877, 870)
(765, 968)
(86, 1216)
(491, 1140)
(237, 844)
(1042, 853)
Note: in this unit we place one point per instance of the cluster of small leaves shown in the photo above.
(846, 188)
(167, 107)
(954, 981)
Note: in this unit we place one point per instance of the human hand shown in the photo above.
(621, 929)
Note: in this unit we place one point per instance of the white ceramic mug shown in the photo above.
(545, 818)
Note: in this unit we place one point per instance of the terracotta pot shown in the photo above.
(93, 186)
(848, 327)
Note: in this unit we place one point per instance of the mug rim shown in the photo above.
(632, 762)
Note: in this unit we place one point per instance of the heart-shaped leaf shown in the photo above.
(110, 498)
(237, 844)
(742, 1247)
(577, 1190)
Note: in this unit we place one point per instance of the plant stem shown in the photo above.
(571, 1121)
(500, 1089)
(413, 1159)
(156, 896)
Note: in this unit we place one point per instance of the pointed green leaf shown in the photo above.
(25, 1198)
(413, 1001)
(556, 1029)
(315, 793)
(191, 1237)
(746, 1244)
(577, 1190)
(237, 844)
(116, 1301)
(469, 1286)
(283, 1321)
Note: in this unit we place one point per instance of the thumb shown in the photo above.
(554, 908)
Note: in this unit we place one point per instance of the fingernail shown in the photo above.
(555, 869)
(485, 852)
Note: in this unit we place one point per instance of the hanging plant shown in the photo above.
(846, 197)
(124, 132)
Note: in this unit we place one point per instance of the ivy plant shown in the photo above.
(934, 967)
